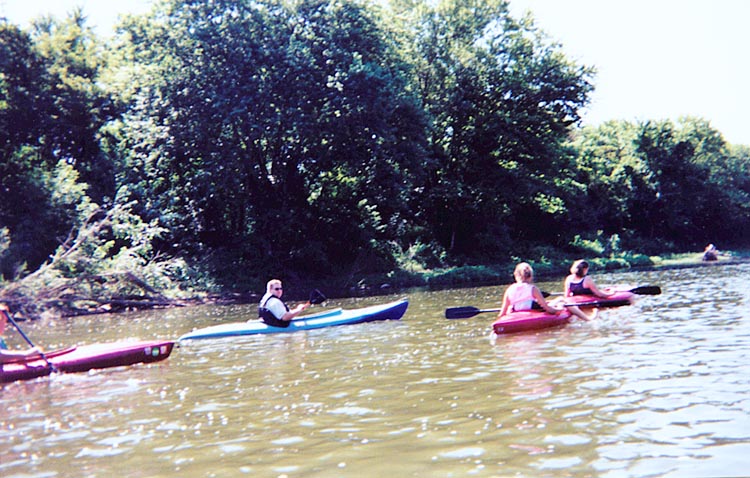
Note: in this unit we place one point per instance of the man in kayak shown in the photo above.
(710, 253)
(524, 295)
(5, 354)
(273, 311)
(580, 283)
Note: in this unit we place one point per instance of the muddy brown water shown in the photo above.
(660, 388)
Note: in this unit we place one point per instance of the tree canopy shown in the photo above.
(332, 138)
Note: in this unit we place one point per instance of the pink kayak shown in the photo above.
(87, 357)
(618, 299)
(529, 320)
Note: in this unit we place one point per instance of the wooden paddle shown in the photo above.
(27, 339)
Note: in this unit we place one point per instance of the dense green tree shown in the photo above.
(21, 90)
(698, 197)
(661, 185)
(272, 128)
(22, 84)
(501, 99)
(77, 106)
(614, 182)
(61, 248)
(323, 137)
(48, 115)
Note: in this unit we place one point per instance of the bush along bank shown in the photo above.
(493, 274)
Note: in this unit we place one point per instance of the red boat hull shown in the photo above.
(87, 357)
(529, 320)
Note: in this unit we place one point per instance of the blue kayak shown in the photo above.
(390, 311)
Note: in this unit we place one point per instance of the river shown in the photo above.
(657, 389)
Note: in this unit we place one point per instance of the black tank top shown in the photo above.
(577, 288)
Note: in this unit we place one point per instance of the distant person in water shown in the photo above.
(524, 295)
(710, 253)
(273, 311)
(580, 283)
(8, 355)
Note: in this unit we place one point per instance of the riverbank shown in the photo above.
(296, 290)
(498, 274)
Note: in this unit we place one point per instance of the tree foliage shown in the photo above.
(51, 110)
(501, 100)
(330, 138)
(273, 128)
(658, 183)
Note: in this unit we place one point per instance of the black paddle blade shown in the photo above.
(317, 297)
(647, 290)
(461, 312)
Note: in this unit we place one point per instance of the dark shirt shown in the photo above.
(577, 288)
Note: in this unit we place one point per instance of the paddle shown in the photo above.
(465, 312)
(317, 297)
(646, 290)
(27, 339)
(642, 290)
(469, 311)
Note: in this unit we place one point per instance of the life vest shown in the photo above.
(521, 297)
(267, 316)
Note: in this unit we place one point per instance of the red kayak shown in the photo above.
(87, 357)
(618, 299)
(526, 320)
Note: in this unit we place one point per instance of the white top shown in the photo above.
(520, 296)
(275, 305)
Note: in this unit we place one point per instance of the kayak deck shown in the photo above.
(618, 299)
(526, 320)
(86, 357)
(390, 311)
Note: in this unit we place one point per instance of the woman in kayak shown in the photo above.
(580, 283)
(273, 311)
(524, 295)
(5, 354)
(710, 253)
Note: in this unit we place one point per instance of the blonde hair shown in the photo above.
(271, 284)
(524, 272)
(579, 267)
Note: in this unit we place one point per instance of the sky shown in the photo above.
(655, 59)
(102, 14)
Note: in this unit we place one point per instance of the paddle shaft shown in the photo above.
(642, 290)
(27, 339)
(487, 310)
